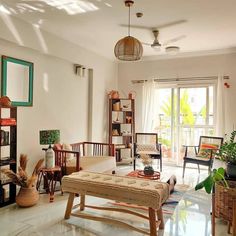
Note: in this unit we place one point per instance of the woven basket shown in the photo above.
(224, 198)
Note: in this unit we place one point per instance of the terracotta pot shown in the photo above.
(27, 197)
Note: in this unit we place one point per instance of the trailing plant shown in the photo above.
(21, 178)
(227, 151)
(217, 175)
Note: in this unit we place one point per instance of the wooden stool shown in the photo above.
(50, 177)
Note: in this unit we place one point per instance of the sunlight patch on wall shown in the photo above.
(45, 82)
(42, 42)
(4, 10)
(7, 20)
(72, 7)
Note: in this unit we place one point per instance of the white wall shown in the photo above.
(64, 105)
(181, 67)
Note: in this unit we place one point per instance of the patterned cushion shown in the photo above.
(147, 149)
(143, 192)
(206, 149)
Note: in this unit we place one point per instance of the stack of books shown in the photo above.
(8, 121)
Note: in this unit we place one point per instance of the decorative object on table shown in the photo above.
(147, 162)
(227, 153)
(113, 94)
(49, 137)
(28, 195)
(5, 101)
(17, 81)
(128, 48)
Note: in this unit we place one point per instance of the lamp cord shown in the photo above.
(129, 23)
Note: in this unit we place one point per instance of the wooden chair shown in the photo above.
(204, 152)
(83, 155)
(147, 143)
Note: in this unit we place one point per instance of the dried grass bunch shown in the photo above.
(21, 178)
(146, 159)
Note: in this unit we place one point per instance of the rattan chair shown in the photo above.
(147, 143)
(204, 152)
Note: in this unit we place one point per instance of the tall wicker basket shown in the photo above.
(225, 202)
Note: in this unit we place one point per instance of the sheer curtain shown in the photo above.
(220, 108)
(149, 107)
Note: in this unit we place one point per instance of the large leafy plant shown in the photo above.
(227, 151)
(217, 175)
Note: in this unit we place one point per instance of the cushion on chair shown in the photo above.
(150, 149)
(205, 150)
(68, 147)
(99, 164)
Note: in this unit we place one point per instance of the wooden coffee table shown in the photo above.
(140, 174)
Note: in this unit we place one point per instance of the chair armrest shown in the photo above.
(190, 146)
(61, 158)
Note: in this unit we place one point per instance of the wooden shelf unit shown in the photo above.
(8, 157)
(122, 128)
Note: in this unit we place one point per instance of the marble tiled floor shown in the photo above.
(191, 216)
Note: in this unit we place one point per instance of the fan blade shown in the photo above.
(148, 44)
(156, 27)
(177, 22)
(136, 26)
(170, 41)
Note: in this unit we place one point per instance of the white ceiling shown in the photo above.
(209, 24)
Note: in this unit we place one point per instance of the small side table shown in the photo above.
(50, 177)
(140, 174)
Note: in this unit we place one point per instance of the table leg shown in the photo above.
(152, 221)
(160, 217)
(69, 205)
(82, 201)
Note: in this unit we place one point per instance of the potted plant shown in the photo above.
(217, 175)
(27, 195)
(227, 153)
(223, 197)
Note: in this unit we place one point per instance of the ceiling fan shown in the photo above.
(157, 45)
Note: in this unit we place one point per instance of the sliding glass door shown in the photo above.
(184, 113)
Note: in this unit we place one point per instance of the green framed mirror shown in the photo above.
(17, 81)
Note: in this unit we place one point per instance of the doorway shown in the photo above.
(184, 112)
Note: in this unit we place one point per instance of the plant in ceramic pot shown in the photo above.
(27, 195)
(227, 153)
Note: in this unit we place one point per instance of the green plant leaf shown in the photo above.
(199, 185)
(208, 184)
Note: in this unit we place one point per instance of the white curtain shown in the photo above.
(149, 106)
(220, 108)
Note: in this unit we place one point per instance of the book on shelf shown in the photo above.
(8, 121)
(4, 137)
(119, 146)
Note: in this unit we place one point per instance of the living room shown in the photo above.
(54, 40)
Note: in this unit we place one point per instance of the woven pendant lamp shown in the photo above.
(128, 48)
